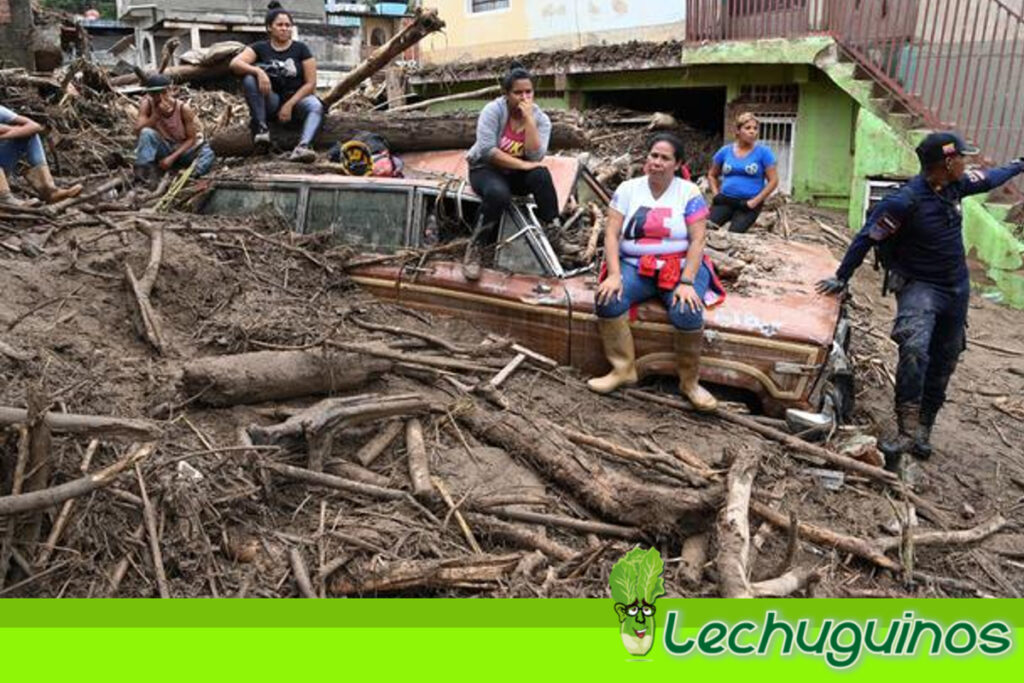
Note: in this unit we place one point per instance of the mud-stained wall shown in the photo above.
(16, 33)
(531, 25)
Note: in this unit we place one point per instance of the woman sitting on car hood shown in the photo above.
(512, 137)
(654, 247)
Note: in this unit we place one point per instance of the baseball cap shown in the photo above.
(938, 146)
(157, 83)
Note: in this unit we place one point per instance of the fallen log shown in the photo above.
(827, 538)
(424, 22)
(143, 315)
(425, 104)
(947, 538)
(375, 446)
(734, 527)
(419, 467)
(478, 572)
(614, 495)
(55, 495)
(414, 132)
(518, 536)
(276, 375)
(94, 425)
(317, 424)
(561, 521)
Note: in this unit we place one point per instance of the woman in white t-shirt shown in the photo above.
(654, 247)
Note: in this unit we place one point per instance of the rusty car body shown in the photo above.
(774, 337)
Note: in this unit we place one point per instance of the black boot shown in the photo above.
(906, 424)
(922, 448)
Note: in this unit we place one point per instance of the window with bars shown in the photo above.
(476, 6)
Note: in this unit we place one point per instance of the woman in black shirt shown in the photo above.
(279, 77)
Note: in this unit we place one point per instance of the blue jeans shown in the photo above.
(637, 288)
(12, 151)
(309, 110)
(930, 329)
(152, 147)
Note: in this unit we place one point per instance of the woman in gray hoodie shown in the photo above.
(512, 137)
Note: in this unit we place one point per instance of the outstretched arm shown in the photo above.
(977, 181)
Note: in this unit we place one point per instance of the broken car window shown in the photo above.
(241, 201)
(368, 219)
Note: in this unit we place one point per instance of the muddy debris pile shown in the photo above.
(197, 406)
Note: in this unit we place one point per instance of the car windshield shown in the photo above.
(370, 219)
(244, 201)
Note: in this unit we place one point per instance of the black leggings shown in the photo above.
(496, 188)
(725, 209)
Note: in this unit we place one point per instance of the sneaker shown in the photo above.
(261, 140)
(471, 262)
(303, 155)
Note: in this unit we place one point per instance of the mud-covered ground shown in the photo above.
(227, 525)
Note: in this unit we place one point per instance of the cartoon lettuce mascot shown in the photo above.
(636, 583)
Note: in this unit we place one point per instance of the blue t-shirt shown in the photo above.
(743, 178)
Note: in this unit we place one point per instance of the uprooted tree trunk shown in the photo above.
(413, 132)
(277, 375)
(144, 316)
(425, 22)
(612, 494)
(317, 425)
(478, 572)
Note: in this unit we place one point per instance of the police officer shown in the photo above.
(918, 231)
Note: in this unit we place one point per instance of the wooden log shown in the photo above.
(611, 494)
(276, 375)
(55, 495)
(426, 104)
(194, 74)
(734, 527)
(375, 446)
(947, 538)
(332, 413)
(828, 538)
(479, 572)
(563, 522)
(404, 133)
(785, 585)
(94, 425)
(419, 467)
(667, 466)
(301, 574)
(519, 537)
(143, 315)
(425, 22)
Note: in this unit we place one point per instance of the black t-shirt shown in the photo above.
(284, 67)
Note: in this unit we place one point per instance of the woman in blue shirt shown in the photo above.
(742, 176)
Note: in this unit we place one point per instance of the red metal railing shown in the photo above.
(955, 63)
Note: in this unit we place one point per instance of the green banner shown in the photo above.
(506, 639)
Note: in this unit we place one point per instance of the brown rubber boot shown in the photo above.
(907, 421)
(7, 198)
(471, 261)
(617, 340)
(42, 181)
(688, 349)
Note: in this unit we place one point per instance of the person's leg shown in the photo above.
(721, 211)
(689, 342)
(492, 186)
(147, 147)
(202, 155)
(309, 110)
(917, 305)
(743, 217)
(257, 103)
(616, 337)
(39, 175)
(538, 182)
(948, 342)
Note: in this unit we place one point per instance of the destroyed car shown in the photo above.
(774, 337)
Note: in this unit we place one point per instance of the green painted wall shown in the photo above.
(880, 153)
(823, 157)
